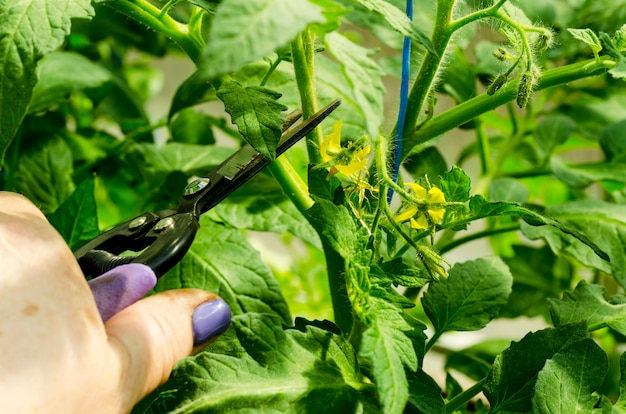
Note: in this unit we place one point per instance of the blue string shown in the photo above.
(404, 97)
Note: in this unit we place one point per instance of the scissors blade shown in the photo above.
(245, 164)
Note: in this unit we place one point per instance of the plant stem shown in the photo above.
(302, 52)
(432, 341)
(291, 183)
(474, 107)
(462, 399)
(475, 236)
(151, 16)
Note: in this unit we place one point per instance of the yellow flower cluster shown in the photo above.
(347, 160)
(427, 211)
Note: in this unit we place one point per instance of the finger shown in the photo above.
(121, 287)
(18, 205)
(153, 334)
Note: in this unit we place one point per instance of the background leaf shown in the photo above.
(256, 365)
(257, 114)
(364, 77)
(222, 261)
(470, 297)
(566, 382)
(28, 30)
(77, 218)
(552, 131)
(604, 224)
(511, 381)
(243, 31)
(587, 303)
(62, 73)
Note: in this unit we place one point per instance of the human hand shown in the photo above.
(57, 355)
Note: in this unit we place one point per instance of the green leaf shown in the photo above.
(455, 185)
(621, 401)
(256, 113)
(605, 225)
(386, 344)
(511, 381)
(400, 273)
(587, 303)
(537, 276)
(588, 37)
(243, 31)
(567, 381)
(63, 73)
(424, 393)
(44, 173)
(582, 176)
(261, 205)
(222, 261)
(77, 218)
(192, 127)
(364, 77)
(619, 71)
(257, 366)
(398, 20)
(552, 131)
(335, 222)
(508, 189)
(196, 89)
(476, 360)
(29, 30)
(429, 162)
(470, 297)
(613, 141)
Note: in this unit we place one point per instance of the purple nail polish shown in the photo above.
(121, 287)
(209, 320)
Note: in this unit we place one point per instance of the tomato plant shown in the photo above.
(373, 279)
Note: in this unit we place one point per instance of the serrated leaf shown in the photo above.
(619, 71)
(222, 261)
(196, 89)
(424, 393)
(455, 185)
(552, 131)
(470, 297)
(399, 21)
(364, 77)
(77, 218)
(257, 366)
(604, 224)
(588, 37)
(257, 113)
(261, 205)
(587, 303)
(44, 173)
(511, 381)
(400, 273)
(192, 127)
(244, 31)
(62, 73)
(567, 381)
(389, 349)
(335, 222)
(29, 30)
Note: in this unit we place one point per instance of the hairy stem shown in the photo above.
(144, 12)
(464, 397)
(474, 107)
(302, 51)
(291, 183)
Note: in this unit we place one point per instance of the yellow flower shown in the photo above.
(423, 214)
(347, 160)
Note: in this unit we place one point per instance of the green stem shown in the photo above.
(271, 70)
(474, 107)
(292, 185)
(151, 16)
(428, 71)
(432, 341)
(302, 51)
(464, 397)
(484, 147)
(475, 236)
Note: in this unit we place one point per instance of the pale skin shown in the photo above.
(56, 354)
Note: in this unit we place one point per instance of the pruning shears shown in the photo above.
(161, 239)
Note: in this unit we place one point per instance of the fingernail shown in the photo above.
(209, 320)
(121, 287)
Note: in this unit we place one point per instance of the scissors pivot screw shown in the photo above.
(136, 223)
(195, 186)
(164, 224)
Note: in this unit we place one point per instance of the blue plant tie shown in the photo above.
(404, 97)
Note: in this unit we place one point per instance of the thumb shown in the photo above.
(151, 336)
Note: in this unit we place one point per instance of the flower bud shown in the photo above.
(525, 88)
(497, 83)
